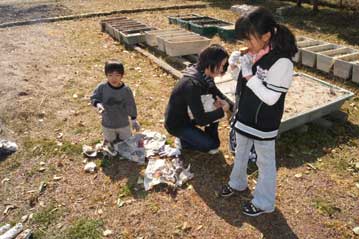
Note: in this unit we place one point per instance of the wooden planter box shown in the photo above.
(207, 27)
(104, 22)
(226, 32)
(355, 77)
(343, 66)
(326, 59)
(174, 19)
(185, 21)
(161, 39)
(151, 36)
(303, 44)
(135, 36)
(297, 55)
(186, 45)
(309, 54)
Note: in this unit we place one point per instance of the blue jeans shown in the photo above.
(196, 139)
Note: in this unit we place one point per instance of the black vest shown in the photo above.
(254, 118)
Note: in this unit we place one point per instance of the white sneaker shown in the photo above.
(178, 143)
(213, 151)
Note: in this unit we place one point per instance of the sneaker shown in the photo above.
(227, 191)
(109, 151)
(250, 210)
(213, 151)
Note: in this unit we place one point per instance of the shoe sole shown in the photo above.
(227, 195)
(257, 214)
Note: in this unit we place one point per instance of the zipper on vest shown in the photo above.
(257, 113)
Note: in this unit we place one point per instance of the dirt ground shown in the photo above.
(48, 72)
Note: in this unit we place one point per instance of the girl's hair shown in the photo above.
(260, 21)
(114, 66)
(212, 57)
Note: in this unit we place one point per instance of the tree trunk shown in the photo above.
(299, 3)
(315, 6)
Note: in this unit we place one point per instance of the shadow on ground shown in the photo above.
(13, 13)
(294, 149)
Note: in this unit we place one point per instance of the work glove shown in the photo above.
(234, 58)
(169, 152)
(246, 65)
(135, 125)
(100, 108)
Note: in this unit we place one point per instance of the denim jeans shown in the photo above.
(264, 194)
(195, 138)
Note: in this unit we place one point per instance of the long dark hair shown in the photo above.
(212, 57)
(260, 21)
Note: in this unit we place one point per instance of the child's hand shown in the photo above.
(233, 67)
(234, 58)
(222, 103)
(135, 125)
(246, 65)
(100, 108)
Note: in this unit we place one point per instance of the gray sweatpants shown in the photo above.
(110, 135)
(264, 194)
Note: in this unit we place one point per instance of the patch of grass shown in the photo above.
(105, 162)
(49, 147)
(125, 191)
(154, 207)
(84, 228)
(325, 207)
(47, 216)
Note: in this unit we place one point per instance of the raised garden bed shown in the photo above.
(308, 99)
(309, 54)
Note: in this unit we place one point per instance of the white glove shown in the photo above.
(135, 125)
(246, 65)
(100, 108)
(170, 152)
(234, 58)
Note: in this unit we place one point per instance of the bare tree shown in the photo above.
(315, 6)
(299, 3)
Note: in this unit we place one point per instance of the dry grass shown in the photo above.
(53, 62)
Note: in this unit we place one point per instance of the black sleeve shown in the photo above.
(193, 100)
(216, 92)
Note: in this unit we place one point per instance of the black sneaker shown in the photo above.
(227, 191)
(250, 210)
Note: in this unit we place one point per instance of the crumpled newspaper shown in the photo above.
(168, 171)
(132, 148)
(153, 142)
(12, 232)
(7, 147)
(136, 148)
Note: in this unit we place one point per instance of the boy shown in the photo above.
(115, 102)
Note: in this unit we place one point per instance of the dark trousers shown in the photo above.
(195, 138)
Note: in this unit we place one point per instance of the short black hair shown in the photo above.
(114, 66)
(212, 57)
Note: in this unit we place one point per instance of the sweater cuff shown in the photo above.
(96, 102)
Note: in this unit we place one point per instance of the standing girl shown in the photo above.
(266, 73)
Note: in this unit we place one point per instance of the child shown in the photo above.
(265, 76)
(115, 102)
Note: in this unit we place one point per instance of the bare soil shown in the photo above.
(48, 72)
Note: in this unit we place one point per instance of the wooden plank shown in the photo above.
(166, 67)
